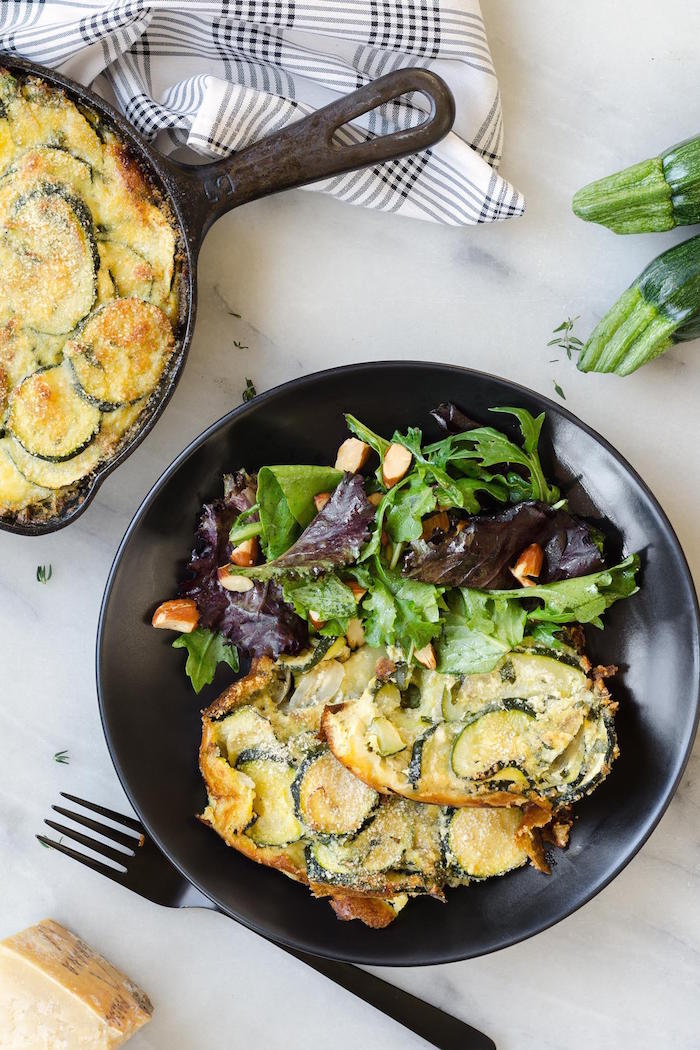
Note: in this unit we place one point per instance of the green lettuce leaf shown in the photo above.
(205, 651)
(285, 502)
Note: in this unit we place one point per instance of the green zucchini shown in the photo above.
(275, 821)
(496, 734)
(131, 272)
(48, 417)
(660, 308)
(49, 259)
(246, 728)
(328, 799)
(479, 842)
(648, 197)
(307, 659)
(55, 475)
(120, 352)
(384, 738)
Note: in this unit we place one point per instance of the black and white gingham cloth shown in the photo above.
(219, 75)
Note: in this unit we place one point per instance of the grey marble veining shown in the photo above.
(586, 88)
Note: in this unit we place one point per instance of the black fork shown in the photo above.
(141, 867)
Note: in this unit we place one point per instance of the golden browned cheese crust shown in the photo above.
(91, 268)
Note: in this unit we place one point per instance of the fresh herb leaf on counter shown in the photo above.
(559, 391)
(240, 346)
(62, 757)
(44, 573)
(250, 392)
(564, 339)
(205, 651)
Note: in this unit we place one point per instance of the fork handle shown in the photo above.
(434, 1025)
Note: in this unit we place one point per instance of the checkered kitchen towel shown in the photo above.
(219, 75)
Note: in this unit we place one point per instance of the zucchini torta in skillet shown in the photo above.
(88, 299)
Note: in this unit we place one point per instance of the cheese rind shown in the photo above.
(56, 993)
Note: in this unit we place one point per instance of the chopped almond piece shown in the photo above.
(358, 591)
(396, 463)
(246, 553)
(231, 581)
(315, 620)
(385, 539)
(375, 498)
(321, 499)
(426, 656)
(435, 522)
(529, 564)
(355, 634)
(352, 455)
(181, 614)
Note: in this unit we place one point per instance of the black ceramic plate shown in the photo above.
(151, 715)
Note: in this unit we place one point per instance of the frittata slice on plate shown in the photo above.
(278, 795)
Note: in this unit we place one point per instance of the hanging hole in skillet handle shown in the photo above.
(309, 150)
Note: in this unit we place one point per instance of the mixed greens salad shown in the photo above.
(449, 553)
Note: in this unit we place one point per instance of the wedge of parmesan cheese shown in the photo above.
(56, 993)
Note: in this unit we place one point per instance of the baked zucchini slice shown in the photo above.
(120, 352)
(275, 821)
(480, 842)
(48, 417)
(15, 491)
(41, 115)
(55, 475)
(328, 799)
(132, 274)
(49, 259)
(244, 730)
(308, 658)
(499, 733)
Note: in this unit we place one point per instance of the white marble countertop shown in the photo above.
(586, 88)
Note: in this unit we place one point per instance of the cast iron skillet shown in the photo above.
(198, 195)
(151, 716)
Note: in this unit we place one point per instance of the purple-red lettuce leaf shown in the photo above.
(257, 621)
(334, 538)
(486, 545)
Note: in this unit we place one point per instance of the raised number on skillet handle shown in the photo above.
(306, 152)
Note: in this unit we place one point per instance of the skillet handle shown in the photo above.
(305, 152)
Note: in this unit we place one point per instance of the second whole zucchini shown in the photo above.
(660, 308)
(648, 197)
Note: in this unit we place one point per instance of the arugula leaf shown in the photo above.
(286, 502)
(398, 611)
(489, 448)
(481, 626)
(205, 650)
(580, 600)
(327, 596)
(379, 444)
(406, 509)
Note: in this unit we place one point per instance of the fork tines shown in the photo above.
(125, 838)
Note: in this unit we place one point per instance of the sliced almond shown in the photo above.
(180, 614)
(315, 620)
(396, 464)
(320, 500)
(528, 565)
(436, 522)
(246, 553)
(375, 498)
(354, 633)
(426, 656)
(352, 455)
(231, 581)
(358, 591)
